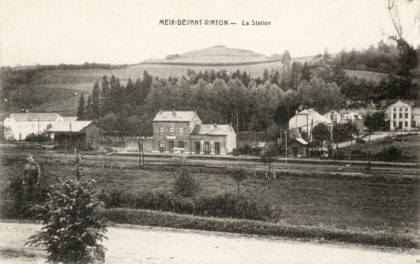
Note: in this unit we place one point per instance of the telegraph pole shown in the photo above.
(286, 148)
(140, 144)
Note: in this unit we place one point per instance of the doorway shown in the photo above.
(217, 148)
(197, 147)
(171, 146)
(295, 151)
(207, 147)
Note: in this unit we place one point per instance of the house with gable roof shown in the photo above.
(305, 121)
(184, 131)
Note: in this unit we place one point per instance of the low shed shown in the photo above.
(83, 134)
(298, 148)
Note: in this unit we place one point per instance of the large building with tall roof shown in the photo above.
(17, 126)
(183, 131)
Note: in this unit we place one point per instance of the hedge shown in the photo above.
(165, 219)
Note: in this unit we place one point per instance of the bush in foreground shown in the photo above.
(72, 230)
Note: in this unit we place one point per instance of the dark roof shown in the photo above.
(216, 130)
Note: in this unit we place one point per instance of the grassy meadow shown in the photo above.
(344, 203)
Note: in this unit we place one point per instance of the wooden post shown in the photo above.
(77, 164)
(142, 152)
(139, 143)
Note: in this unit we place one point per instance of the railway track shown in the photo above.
(132, 162)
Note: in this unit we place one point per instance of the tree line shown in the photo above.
(248, 103)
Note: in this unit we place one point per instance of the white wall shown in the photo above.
(20, 130)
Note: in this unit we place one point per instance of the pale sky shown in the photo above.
(128, 31)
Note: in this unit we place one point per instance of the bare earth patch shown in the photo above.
(137, 244)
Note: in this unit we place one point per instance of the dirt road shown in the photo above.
(136, 244)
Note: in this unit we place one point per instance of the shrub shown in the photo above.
(360, 141)
(238, 175)
(221, 205)
(390, 153)
(37, 138)
(71, 227)
(185, 184)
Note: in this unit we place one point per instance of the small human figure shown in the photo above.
(31, 178)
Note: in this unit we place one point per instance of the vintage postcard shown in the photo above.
(232, 131)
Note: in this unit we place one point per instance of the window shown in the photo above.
(400, 109)
(400, 115)
(406, 115)
(162, 131)
(180, 144)
(162, 144)
(395, 115)
(406, 124)
(413, 123)
(395, 109)
(171, 131)
(406, 109)
(181, 131)
(394, 124)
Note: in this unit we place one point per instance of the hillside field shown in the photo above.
(70, 81)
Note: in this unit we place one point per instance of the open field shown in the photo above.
(338, 202)
(368, 75)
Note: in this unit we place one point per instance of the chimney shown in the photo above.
(215, 124)
(173, 112)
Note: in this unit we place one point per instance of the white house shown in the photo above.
(306, 120)
(344, 116)
(403, 117)
(334, 116)
(17, 126)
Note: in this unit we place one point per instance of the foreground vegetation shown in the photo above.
(353, 204)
